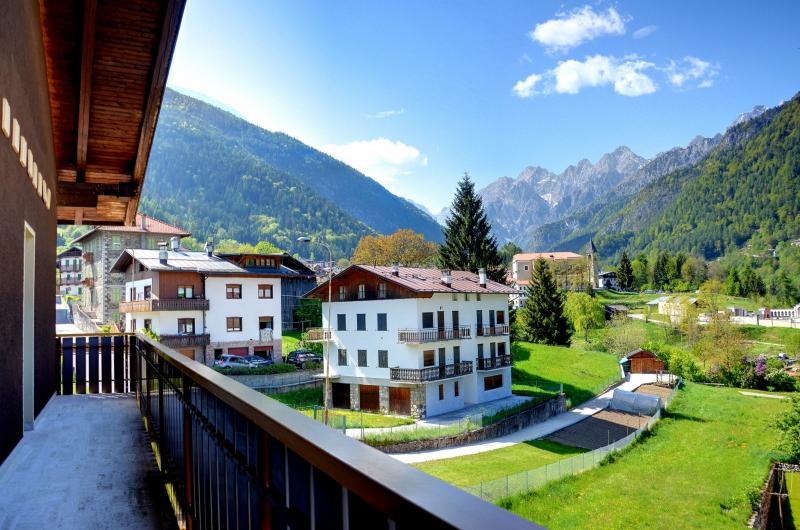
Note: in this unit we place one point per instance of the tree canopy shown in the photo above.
(404, 247)
(542, 318)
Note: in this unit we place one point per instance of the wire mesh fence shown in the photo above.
(494, 490)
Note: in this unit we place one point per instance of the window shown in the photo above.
(455, 297)
(466, 297)
(265, 291)
(427, 320)
(480, 351)
(383, 358)
(148, 291)
(116, 295)
(362, 358)
(342, 357)
(233, 291)
(132, 294)
(361, 322)
(234, 323)
(382, 322)
(526, 267)
(478, 297)
(441, 392)
(362, 291)
(428, 358)
(381, 290)
(455, 388)
(341, 322)
(342, 293)
(148, 323)
(501, 317)
(249, 262)
(133, 326)
(492, 382)
(116, 242)
(456, 355)
(186, 291)
(492, 350)
(501, 348)
(186, 325)
(217, 353)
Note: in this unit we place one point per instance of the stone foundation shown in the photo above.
(383, 396)
(355, 397)
(418, 407)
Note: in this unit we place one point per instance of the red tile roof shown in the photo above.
(531, 256)
(151, 226)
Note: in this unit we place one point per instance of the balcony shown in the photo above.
(421, 336)
(490, 363)
(160, 304)
(318, 335)
(265, 335)
(431, 373)
(186, 340)
(228, 455)
(493, 331)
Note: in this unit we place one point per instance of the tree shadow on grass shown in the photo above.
(555, 447)
(681, 416)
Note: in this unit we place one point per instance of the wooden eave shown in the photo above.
(107, 64)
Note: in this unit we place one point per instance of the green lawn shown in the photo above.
(793, 487)
(699, 469)
(632, 300)
(471, 470)
(539, 369)
(289, 341)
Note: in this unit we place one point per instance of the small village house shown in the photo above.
(70, 268)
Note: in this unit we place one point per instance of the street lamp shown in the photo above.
(326, 348)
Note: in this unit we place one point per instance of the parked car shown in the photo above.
(302, 358)
(257, 360)
(227, 360)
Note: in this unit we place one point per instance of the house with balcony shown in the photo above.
(200, 304)
(70, 269)
(415, 341)
(571, 271)
(102, 246)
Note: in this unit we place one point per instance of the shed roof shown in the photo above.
(640, 353)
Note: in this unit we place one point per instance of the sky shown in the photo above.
(414, 94)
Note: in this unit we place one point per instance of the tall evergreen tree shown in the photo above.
(468, 241)
(733, 286)
(542, 319)
(625, 272)
(661, 271)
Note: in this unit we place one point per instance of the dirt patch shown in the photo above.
(599, 430)
(654, 390)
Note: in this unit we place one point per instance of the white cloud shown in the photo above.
(382, 159)
(690, 70)
(386, 114)
(645, 31)
(627, 75)
(526, 87)
(568, 30)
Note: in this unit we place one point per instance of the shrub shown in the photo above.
(789, 426)
(280, 368)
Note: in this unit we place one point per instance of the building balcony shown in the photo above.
(70, 268)
(199, 422)
(318, 335)
(431, 373)
(491, 363)
(494, 331)
(162, 304)
(421, 336)
(187, 340)
(265, 335)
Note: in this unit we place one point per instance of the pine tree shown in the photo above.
(785, 292)
(625, 272)
(661, 271)
(542, 319)
(732, 284)
(468, 242)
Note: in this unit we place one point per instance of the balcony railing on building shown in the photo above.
(265, 335)
(493, 331)
(70, 268)
(318, 335)
(430, 373)
(185, 340)
(234, 458)
(164, 304)
(498, 361)
(420, 336)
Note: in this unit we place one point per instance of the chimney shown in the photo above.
(395, 269)
(175, 243)
(162, 253)
(482, 277)
(446, 277)
(209, 247)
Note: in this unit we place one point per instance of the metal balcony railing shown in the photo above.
(490, 363)
(265, 335)
(168, 304)
(430, 373)
(420, 336)
(493, 331)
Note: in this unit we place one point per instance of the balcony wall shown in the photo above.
(177, 304)
(420, 336)
(430, 373)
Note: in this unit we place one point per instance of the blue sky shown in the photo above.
(416, 93)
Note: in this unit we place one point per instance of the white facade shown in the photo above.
(249, 307)
(70, 275)
(405, 315)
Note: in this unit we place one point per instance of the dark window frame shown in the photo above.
(342, 356)
(362, 358)
(383, 358)
(341, 322)
(182, 329)
(383, 325)
(492, 382)
(427, 316)
(264, 289)
(230, 324)
(233, 291)
(361, 322)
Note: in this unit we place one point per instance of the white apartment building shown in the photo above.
(70, 266)
(200, 304)
(415, 341)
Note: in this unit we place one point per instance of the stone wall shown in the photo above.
(383, 396)
(509, 425)
(278, 380)
(355, 397)
(418, 407)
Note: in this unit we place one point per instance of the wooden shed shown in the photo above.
(644, 362)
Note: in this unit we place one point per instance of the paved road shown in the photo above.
(533, 432)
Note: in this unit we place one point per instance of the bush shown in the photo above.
(789, 426)
(281, 368)
(682, 364)
(781, 381)
(311, 365)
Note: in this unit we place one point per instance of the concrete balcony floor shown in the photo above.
(87, 464)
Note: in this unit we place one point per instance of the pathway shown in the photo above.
(535, 431)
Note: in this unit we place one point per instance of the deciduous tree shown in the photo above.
(404, 247)
(584, 312)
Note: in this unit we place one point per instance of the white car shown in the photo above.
(227, 360)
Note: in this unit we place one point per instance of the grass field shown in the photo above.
(706, 459)
(289, 341)
(472, 469)
(632, 300)
(539, 369)
(793, 487)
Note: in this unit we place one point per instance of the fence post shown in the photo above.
(344, 425)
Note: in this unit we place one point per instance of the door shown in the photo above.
(442, 362)
(265, 352)
(239, 351)
(400, 400)
(479, 320)
(340, 395)
(188, 353)
(369, 396)
(491, 321)
(440, 324)
(456, 331)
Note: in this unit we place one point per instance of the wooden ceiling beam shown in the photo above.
(85, 101)
(158, 81)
